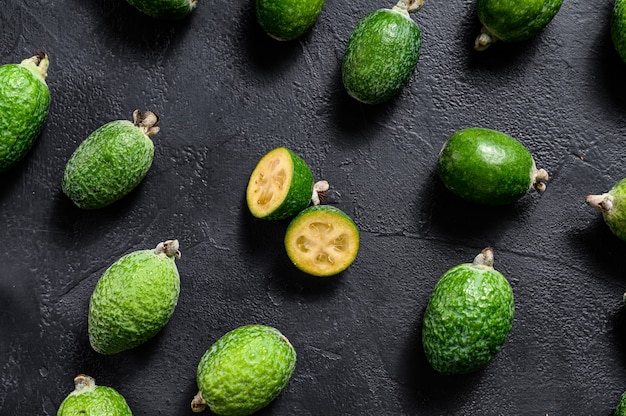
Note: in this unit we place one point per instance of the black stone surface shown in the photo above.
(226, 94)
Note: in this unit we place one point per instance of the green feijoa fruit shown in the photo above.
(382, 53)
(165, 9)
(111, 162)
(322, 240)
(134, 299)
(287, 19)
(24, 103)
(468, 316)
(618, 28)
(281, 185)
(513, 20)
(88, 399)
(488, 167)
(620, 410)
(613, 207)
(244, 371)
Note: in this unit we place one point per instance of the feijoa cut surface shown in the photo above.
(287, 19)
(382, 53)
(618, 28)
(165, 9)
(468, 317)
(513, 20)
(244, 371)
(89, 399)
(612, 204)
(111, 162)
(488, 167)
(24, 103)
(134, 299)
(281, 185)
(322, 240)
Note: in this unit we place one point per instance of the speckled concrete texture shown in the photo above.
(227, 94)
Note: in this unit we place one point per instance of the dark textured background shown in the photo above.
(226, 94)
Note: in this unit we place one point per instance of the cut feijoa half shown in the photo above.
(612, 204)
(281, 185)
(382, 53)
(513, 20)
(89, 399)
(488, 167)
(287, 19)
(165, 9)
(322, 240)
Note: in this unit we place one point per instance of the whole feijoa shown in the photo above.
(244, 371)
(287, 19)
(24, 103)
(111, 162)
(613, 207)
(618, 28)
(382, 53)
(88, 399)
(620, 410)
(165, 9)
(134, 299)
(488, 167)
(468, 317)
(513, 20)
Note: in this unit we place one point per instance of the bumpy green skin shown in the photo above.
(165, 9)
(486, 166)
(515, 20)
(615, 218)
(468, 318)
(381, 55)
(287, 19)
(24, 103)
(620, 410)
(102, 401)
(132, 301)
(245, 370)
(107, 165)
(618, 28)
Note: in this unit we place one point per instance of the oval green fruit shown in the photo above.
(468, 316)
(165, 9)
(280, 186)
(382, 53)
(24, 103)
(88, 399)
(488, 167)
(618, 28)
(111, 162)
(322, 240)
(244, 371)
(134, 299)
(613, 207)
(513, 20)
(287, 19)
(620, 410)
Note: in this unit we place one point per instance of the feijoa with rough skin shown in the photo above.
(111, 162)
(322, 240)
(613, 207)
(88, 399)
(618, 28)
(287, 19)
(24, 103)
(280, 186)
(488, 167)
(165, 9)
(244, 371)
(468, 317)
(382, 53)
(620, 410)
(513, 20)
(134, 299)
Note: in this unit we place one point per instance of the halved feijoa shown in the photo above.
(281, 185)
(513, 20)
(322, 240)
(613, 207)
(287, 19)
(488, 167)
(618, 28)
(382, 53)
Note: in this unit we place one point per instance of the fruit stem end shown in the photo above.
(198, 404)
(485, 258)
(319, 192)
(602, 202)
(83, 383)
(484, 40)
(409, 6)
(38, 65)
(540, 177)
(169, 248)
(147, 122)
